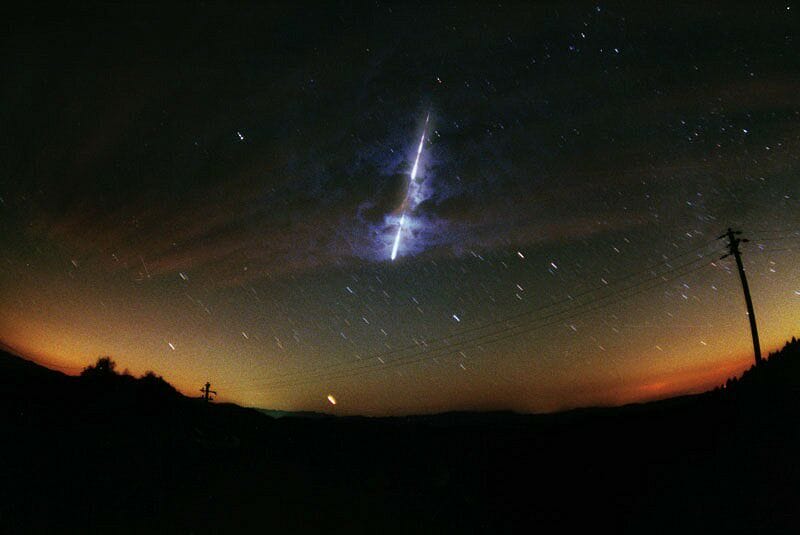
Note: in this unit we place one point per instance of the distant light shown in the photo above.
(332, 399)
(241, 137)
(554, 265)
(456, 318)
(519, 254)
(172, 347)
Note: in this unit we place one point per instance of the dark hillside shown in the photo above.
(114, 453)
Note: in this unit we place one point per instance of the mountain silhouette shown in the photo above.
(108, 452)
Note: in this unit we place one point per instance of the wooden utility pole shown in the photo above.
(733, 248)
(206, 390)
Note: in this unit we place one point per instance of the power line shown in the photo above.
(428, 349)
(783, 249)
(777, 238)
(497, 335)
(775, 231)
(456, 345)
(426, 355)
(446, 339)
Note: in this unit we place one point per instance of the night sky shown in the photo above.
(212, 193)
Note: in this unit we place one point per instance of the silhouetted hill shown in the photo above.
(107, 452)
(776, 377)
(272, 413)
(32, 391)
(17, 373)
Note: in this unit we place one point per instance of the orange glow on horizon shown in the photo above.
(691, 380)
(547, 371)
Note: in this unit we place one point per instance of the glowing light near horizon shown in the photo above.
(414, 169)
(332, 399)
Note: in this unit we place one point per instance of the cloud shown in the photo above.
(528, 142)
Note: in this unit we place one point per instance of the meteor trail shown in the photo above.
(413, 177)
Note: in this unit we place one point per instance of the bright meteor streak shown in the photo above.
(397, 238)
(413, 177)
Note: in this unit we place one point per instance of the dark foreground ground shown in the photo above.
(124, 455)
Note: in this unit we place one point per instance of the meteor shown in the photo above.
(413, 177)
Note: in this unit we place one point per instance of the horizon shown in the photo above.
(320, 210)
(660, 392)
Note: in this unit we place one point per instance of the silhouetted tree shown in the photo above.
(104, 367)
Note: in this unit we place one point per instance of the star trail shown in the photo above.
(253, 196)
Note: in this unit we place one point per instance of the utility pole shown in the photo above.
(206, 390)
(733, 248)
